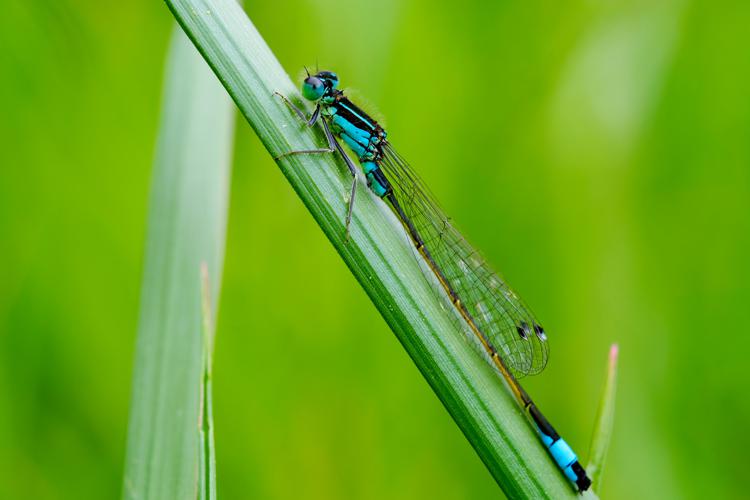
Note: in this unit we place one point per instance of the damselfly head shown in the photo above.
(315, 86)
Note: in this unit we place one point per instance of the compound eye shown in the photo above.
(313, 88)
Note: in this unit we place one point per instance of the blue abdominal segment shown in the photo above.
(563, 455)
(375, 178)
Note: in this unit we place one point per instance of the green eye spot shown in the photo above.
(312, 88)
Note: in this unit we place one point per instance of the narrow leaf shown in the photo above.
(207, 475)
(186, 226)
(604, 421)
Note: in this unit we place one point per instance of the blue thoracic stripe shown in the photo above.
(357, 131)
(358, 148)
(351, 130)
(359, 140)
(356, 113)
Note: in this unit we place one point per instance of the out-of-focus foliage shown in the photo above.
(170, 448)
(596, 151)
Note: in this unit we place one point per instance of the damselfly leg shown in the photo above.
(333, 146)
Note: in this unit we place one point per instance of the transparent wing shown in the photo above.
(499, 313)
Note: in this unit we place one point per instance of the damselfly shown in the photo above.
(500, 322)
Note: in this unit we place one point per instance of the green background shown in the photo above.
(597, 152)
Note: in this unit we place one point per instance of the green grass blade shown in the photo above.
(378, 253)
(604, 421)
(186, 226)
(207, 447)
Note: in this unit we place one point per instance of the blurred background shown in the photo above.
(597, 152)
